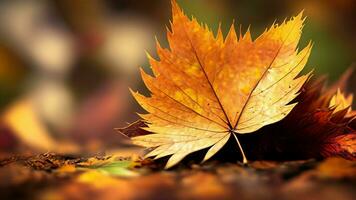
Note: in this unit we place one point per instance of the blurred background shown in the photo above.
(66, 66)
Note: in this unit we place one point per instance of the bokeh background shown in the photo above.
(66, 66)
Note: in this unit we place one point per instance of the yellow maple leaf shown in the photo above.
(206, 88)
(340, 102)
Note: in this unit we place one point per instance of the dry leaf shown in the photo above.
(22, 118)
(133, 129)
(311, 130)
(206, 88)
(340, 102)
(26, 125)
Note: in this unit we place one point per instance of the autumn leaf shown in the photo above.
(22, 119)
(113, 168)
(133, 129)
(311, 130)
(206, 88)
(340, 102)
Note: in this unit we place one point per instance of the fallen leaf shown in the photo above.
(111, 165)
(340, 102)
(207, 88)
(133, 129)
(310, 131)
(116, 168)
(22, 118)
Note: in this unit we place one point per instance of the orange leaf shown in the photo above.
(206, 88)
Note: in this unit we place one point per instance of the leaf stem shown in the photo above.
(244, 159)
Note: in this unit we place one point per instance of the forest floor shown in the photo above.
(53, 176)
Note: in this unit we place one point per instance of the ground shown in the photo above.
(52, 176)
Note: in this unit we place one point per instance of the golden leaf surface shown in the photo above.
(206, 88)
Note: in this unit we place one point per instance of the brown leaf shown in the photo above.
(134, 129)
